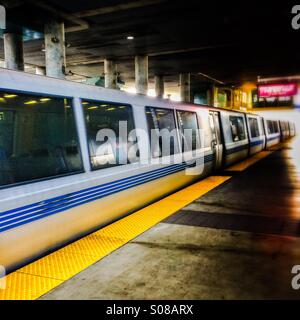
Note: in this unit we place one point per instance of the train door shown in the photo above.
(216, 143)
(264, 132)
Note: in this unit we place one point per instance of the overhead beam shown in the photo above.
(81, 24)
(116, 8)
(84, 62)
(9, 4)
(210, 78)
(186, 50)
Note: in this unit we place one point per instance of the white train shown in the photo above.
(53, 189)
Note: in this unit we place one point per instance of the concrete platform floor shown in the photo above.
(239, 241)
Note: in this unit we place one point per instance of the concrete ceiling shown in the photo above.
(229, 41)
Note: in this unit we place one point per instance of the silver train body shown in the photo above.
(39, 216)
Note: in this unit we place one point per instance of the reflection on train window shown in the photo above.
(254, 129)
(272, 127)
(188, 126)
(107, 145)
(237, 128)
(38, 138)
(162, 119)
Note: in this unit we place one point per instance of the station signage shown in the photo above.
(277, 90)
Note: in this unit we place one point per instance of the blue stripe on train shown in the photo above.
(26, 214)
(273, 138)
(237, 149)
(256, 143)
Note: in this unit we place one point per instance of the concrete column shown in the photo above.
(55, 49)
(13, 51)
(159, 86)
(110, 74)
(40, 70)
(211, 92)
(185, 87)
(141, 74)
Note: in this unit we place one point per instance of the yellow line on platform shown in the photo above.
(241, 166)
(43, 275)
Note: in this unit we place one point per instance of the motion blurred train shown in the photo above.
(54, 189)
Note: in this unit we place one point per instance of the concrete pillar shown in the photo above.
(13, 51)
(185, 87)
(141, 74)
(110, 74)
(40, 70)
(159, 86)
(55, 49)
(211, 93)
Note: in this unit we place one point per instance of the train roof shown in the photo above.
(40, 84)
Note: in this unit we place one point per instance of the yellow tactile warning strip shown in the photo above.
(241, 166)
(41, 276)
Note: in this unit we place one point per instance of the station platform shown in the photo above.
(231, 236)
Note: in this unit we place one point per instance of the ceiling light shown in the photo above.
(130, 37)
(31, 102)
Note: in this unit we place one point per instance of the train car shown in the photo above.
(56, 185)
(256, 133)
(273, 134)
(235, 135)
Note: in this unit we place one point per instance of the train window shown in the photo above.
(237, 128)
(270, 126)
(163, 123)
(254, 129)
(38, 138)
(108, 146)
(188, 125)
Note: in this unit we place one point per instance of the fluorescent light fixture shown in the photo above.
(31, 102)
(130, 37)
(45, 99)
(9, 96)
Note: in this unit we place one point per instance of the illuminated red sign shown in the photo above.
(277, 90)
